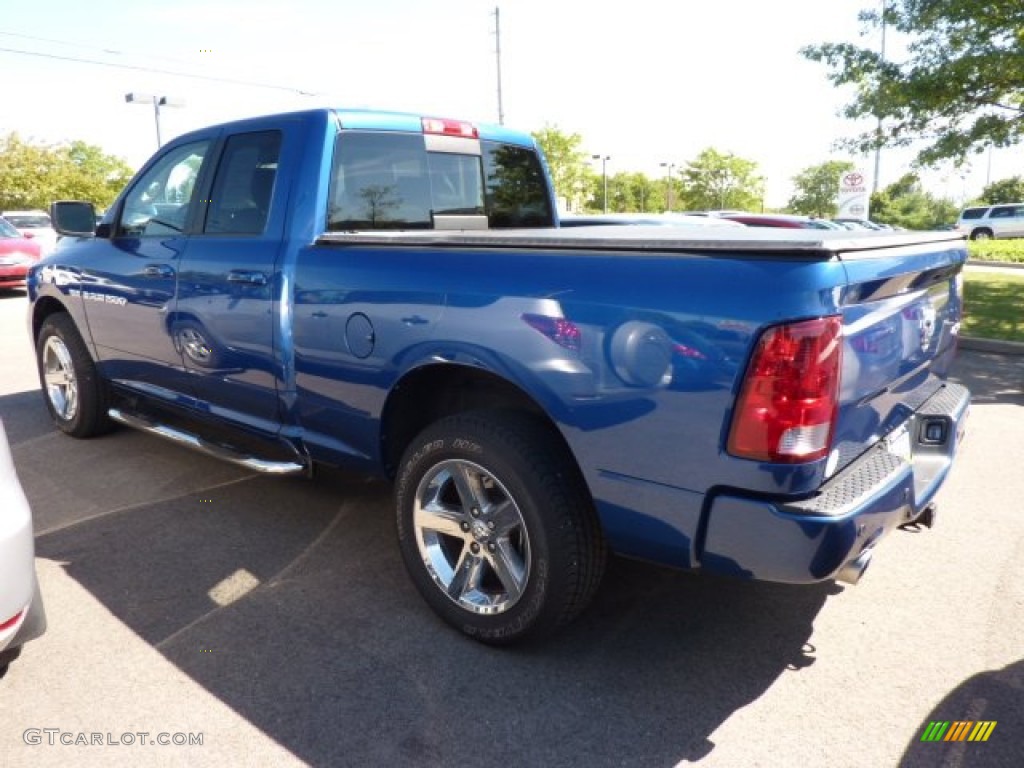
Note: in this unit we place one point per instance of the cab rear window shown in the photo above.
(389, 180)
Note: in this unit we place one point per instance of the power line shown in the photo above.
(155, 70)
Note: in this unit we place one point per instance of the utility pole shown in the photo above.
(604, 173)
(668, 184)
(497, 55)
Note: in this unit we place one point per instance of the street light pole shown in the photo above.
(604, 175)
(668, 184)
(157, 102)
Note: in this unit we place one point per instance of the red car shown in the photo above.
(784, 220)
(17, 254)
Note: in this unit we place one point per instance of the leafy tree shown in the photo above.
(817, 188)
(567, 163)
(34, 175)
(627, 193)
(1009, 190)
(905, 204)
(960, 89)
(717, 181)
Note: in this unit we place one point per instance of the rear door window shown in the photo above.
(973, 213)
(244, 184)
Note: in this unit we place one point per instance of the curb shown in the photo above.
(991, 345)
(996, 264)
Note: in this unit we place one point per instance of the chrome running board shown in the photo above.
(197, 443)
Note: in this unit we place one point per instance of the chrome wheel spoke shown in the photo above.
(467, 576)
(469, 487)
(509, 568)
(505, 517)
(437, 518)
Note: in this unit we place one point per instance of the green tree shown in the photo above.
(1009, 190)
(567, 163)
(817, 188)
(905, 204)
(628, 192)
(960, 88)
(719, 181)
(92, 174)
(33, 175)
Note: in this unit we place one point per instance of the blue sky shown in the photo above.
(648, 81)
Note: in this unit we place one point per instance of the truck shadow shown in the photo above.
(299, 616)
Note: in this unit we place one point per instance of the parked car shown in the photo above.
(645, 219)
(35, 225)
(992, 221)
(783, 220)
(22, 617)
(860, 224)
(17, 254)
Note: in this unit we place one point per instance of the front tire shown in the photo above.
(981, 234)
(496, 526)
(76, 396)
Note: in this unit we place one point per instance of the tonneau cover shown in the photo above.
(809, 243)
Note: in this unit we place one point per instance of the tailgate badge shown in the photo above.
(926, 324)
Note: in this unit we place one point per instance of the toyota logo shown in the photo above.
(853, 180)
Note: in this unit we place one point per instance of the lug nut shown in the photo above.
(475, 511)
(491, 546)
(474, 548)
(464, 526)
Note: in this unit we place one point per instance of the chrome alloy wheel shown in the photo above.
(472, 537)
(59, 377)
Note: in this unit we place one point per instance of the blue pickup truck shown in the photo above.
(392, 293)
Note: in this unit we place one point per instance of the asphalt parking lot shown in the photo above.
(274, 618)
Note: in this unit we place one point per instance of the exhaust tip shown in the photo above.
(852, 572)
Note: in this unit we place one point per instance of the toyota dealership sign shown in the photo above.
(854, 198)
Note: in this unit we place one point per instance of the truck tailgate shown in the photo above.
(901, 318)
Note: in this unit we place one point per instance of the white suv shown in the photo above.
(988, 221)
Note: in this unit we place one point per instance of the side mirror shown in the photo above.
(73, 217)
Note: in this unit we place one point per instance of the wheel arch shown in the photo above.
(433, 391)
(43, 308)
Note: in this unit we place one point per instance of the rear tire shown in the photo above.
(75, 394)
(496, 526)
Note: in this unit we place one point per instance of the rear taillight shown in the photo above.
(787, 406)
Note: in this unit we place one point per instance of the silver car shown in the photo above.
(22, 617)
(992, 221)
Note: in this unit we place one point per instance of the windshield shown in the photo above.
(29, 222)
(6, 230)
